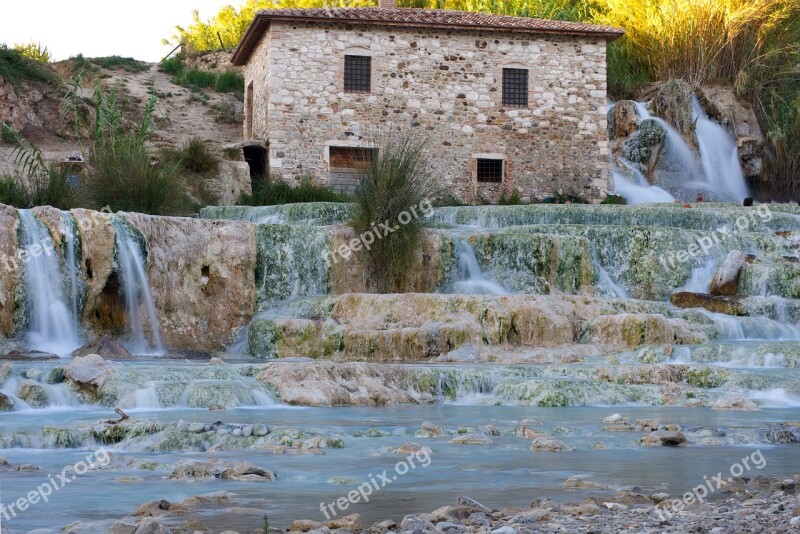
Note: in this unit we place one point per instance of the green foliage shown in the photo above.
(34, 51)
(512, 200)
(559, 197)
(13, 193)
(123, 177)
(265, 525)
(16, 67)
(194, 157)
(614, 200)
(128, 64)
(396, 182)
(221, 82)
(272, 190)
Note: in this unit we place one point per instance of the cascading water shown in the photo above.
(51, 327)
(69, 232)
(639, 193)
(470, 277)
(720, 157)
(137, 293)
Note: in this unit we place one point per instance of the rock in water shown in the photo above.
(664, 438)
(6, 404)
(735, 402)
(104, 346)
(726, 280)
(88, 373)
(622, 119)
(549, 445)
(687, 299)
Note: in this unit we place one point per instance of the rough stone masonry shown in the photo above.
(441, 83)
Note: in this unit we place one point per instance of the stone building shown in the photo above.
(504, 103)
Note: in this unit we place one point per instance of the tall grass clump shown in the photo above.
(272, 190)
(124, 178)
(34, 51)
(221, 82)
(398, 179)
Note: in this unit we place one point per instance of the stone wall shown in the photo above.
(442, 85)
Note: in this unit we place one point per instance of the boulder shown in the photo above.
(726, 280)
(350, 522)
(104, 346)
(151, 526)
(664, 438)
(4, 465)
(33, 394)
(781, 433)
(244, 472)
(549, 445)
(11, 268)
(644, 146)
(412, 448)
(472, 439)
(88, 373)
(582, 483)
(622, 119)
(728, 306)
(735, 402)
(6, 404)
(304, 525)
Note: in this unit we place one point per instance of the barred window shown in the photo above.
(490, 170)
(515, 87)
(357, 74)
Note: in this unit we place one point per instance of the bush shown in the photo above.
(397, 180)
(512, 200)
(128, 64)
(52, 188)
(15, 67)
(12, 193)
(34, 51)
(272, 190)
(615, 200)
(123, 178)
(194, 157)
(221, 82)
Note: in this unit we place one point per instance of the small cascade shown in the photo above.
(137, 293)
(701, 277)
(639, 193)
(720, 157)
(69, 231)
(470, 279)
(752, 328)
(51, 327)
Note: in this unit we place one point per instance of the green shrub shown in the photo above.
(15, 67)
(193, 157)
(12, 193)
(52, 188)
(614, 199)
(172, 66)
(128, 64)
(272, 190)
(512, 200)
(397, 181)
(123, 178)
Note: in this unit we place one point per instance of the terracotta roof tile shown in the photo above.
(409, 17)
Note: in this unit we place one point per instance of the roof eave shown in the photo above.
(261, 22)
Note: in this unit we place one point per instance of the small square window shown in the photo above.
(490, 170)
(515, 87)
(357, 74)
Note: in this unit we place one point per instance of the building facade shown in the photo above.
(503, 103)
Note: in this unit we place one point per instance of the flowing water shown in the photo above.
(138, 298)
(564, 256)
(51, 325)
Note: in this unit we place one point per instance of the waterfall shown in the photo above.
(719, 155)
(639, 193)
(51, 327)
(700, 279)
(136, 289)
(69, 232)
(470, 278)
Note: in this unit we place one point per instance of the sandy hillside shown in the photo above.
(180, 113)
